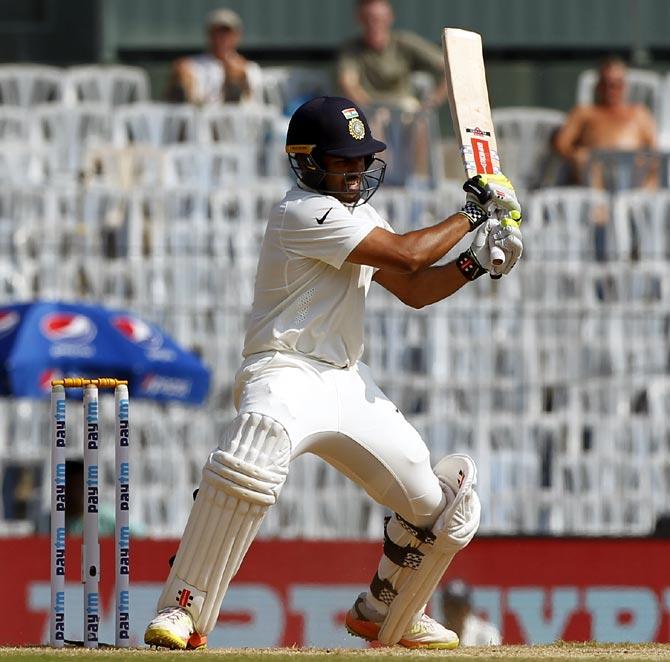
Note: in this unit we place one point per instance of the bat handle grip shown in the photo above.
(497, 253)
(497, 256)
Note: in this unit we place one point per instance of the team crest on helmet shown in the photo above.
(356, 128)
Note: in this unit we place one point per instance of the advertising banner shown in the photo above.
(296, 593)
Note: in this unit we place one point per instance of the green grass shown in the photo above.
(559, 652)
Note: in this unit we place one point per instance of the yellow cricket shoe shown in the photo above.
(424, 633)
(173, 628)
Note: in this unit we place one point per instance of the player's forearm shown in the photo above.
(437, 283)
(424, 287)
(428, 245)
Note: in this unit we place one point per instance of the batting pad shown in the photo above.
(453, 530)
(241, 480)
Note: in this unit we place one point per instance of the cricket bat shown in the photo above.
(470, 108)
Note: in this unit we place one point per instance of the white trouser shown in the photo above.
(342, 416)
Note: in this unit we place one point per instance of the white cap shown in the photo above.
(224, 18)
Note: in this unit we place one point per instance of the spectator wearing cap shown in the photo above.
(459, 617)
(221, 75)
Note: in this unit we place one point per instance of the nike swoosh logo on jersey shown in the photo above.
(323, 218)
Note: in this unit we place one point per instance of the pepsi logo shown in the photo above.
(46, 377)
(70, 328)
(8, 321)
(137, 331)
(161, 385)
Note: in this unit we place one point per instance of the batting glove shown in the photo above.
(488, 195)
(476, 261)
(506, 235)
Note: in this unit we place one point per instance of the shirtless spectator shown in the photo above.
(221, 75)
(611, 123)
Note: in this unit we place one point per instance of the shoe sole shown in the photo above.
(369, 632)
(163, 638)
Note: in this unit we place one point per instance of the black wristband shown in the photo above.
(476, 215)
(468, 265)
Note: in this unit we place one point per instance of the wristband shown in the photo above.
(468, 265)
(474, 213)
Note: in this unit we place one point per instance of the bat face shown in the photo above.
(469, 101)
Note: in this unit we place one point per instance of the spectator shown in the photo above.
(221, 74)
(376, 67)
(611, 123)
(459, 617)
(375, 71)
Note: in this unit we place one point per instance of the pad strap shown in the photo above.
(382, 590)
(453, 530)
(405, 556)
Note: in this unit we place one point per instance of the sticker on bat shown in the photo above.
(478, 132)
(486, 159)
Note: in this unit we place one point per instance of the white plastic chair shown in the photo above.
(125, 167)
(113, 85)
(642, 219)
(528, 132)
(559, 226)
(156, 124)
(30, 84)
(14, 124)
(208, 166)
(663, 115)
(250, 127)
(285, 88)
(569, 239)
(423, 84)
(23, 164)
(46, 238)
(70, 132)
(620, 170)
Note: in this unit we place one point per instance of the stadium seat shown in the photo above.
(136, 165)
(209, 166)
(524, 142)
(249, 127)
(23, 164)
(28, 85)
(69, 132)
(286, 88)
(152, 123)
(111, 85)
(14, 124)
(621, 170)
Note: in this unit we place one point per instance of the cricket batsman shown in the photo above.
(303, 389)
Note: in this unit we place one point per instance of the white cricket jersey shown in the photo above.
(207, 73)
(307, 299)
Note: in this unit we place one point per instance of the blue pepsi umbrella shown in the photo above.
(46, 340)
